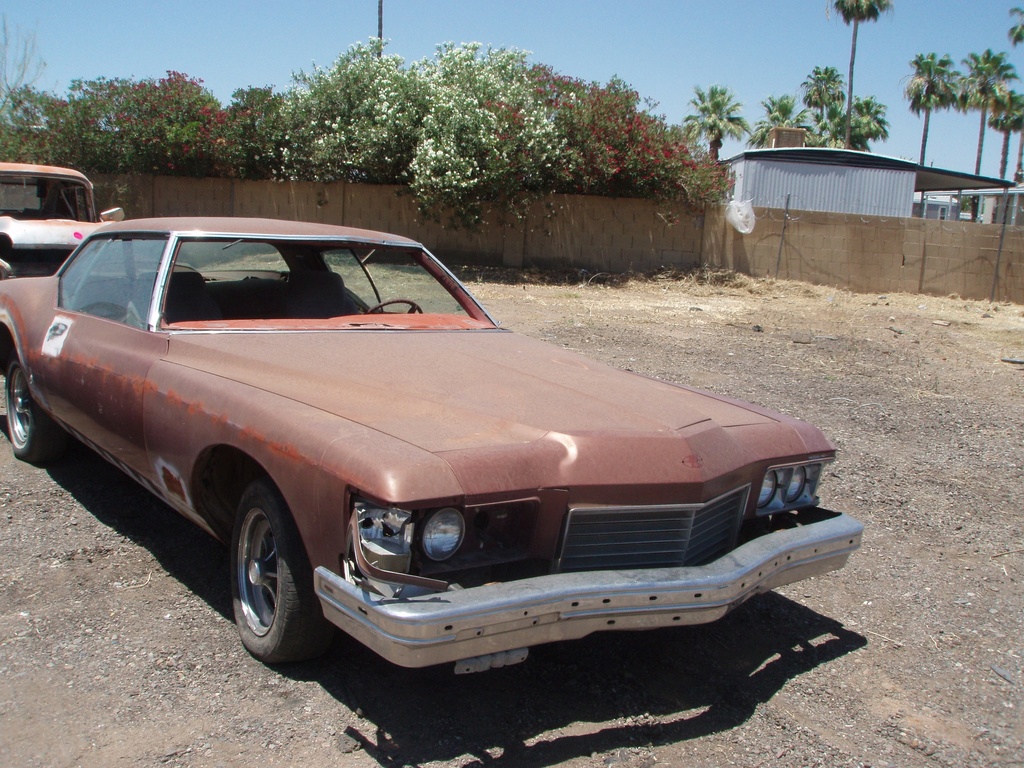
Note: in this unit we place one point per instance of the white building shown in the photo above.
(843, 181)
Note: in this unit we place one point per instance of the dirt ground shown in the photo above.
(117, 647)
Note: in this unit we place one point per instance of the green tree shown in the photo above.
(867, 124)
(933, 85)
(1016, 33)
(717, 118)
(822, 88)
(854, 12)
(984, 83)
(23, 134)
(253, 135)
(1008, 118)
(780, 112)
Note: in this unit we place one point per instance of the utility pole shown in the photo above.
(380, 26)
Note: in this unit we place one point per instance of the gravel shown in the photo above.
(117, 646)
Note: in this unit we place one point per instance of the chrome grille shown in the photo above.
(603, 538)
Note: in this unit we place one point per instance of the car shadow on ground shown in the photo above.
(186, 552)
(599, 695)
(608, 692)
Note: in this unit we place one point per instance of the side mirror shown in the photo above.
(5, 270)
(114, 214)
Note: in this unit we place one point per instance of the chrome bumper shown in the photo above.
(461, 624)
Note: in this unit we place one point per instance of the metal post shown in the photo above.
(380, 26)
(782, 239)
(999, 253)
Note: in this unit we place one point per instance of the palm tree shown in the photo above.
(854, 12)
(1018, 174)
(984, 83)
(933, 85)
(868, 124)
(779, 112)
(717, 118)
(1007, 118)
(831, 128)
(1016, 33)
(824, 86)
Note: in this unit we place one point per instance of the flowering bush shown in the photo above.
(169, 126)
(468, 130)
(486, 139)
(357, 121)
(252, 135)
(613, 147)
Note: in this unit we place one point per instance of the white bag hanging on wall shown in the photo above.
(741, 215)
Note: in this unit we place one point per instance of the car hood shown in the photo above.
(479, 393)
(46, 233)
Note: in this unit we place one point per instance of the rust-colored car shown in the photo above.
(381, 456)
(45, 213)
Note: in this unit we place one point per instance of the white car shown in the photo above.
(45, 212)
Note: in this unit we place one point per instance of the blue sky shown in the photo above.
(663, 48)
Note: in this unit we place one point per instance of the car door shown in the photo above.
(98, 349)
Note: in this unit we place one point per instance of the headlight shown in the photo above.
(767, 488)
(443, 533)
(789, 487)
(385, 535)
(795, 486)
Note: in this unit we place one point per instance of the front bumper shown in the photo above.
(461, 624)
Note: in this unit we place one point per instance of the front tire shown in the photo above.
(276, 608)
(35, 437)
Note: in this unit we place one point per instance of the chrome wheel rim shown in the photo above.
(19, 408)
(257, 572)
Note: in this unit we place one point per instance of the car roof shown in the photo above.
(243, 227)
(28, 169)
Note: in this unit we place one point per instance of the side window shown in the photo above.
(75, 196)
(20, 197)
(113, 278)
(225, 279)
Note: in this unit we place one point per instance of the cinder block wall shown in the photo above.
(861, 253)
(871, 254)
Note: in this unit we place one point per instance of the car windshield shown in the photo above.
(39, 197)
(266, 282)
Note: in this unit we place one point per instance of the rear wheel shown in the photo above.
(35, 437)
(276, 609)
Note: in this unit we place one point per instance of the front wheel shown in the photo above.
(276, 609)
(35, 437)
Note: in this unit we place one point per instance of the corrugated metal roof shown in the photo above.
(926, 178)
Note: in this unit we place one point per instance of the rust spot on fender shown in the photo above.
(285, 450)
(173, 484)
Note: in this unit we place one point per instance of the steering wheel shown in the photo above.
(105, 309)
(414, 308)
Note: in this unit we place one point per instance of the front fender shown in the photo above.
(312, 456)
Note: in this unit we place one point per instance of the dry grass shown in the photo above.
(688, 301)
